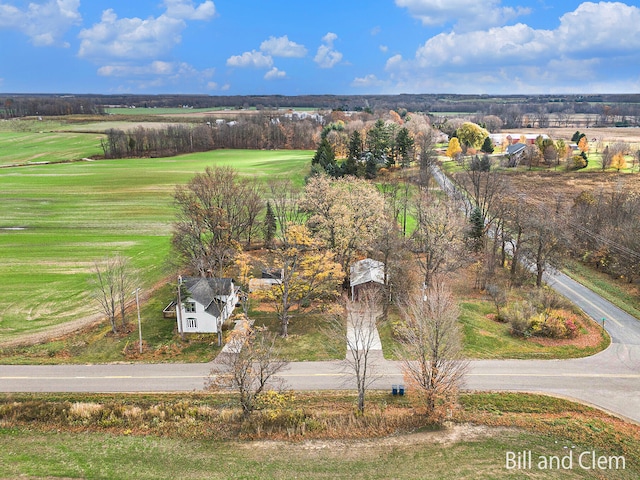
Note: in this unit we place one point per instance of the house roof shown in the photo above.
(515, 148)
(205, 290)
(365, 271)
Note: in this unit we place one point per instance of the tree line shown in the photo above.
(259, 132)
(12, 107)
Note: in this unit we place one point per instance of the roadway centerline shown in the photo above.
(586, 300)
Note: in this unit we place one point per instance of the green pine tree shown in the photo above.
(269, 226)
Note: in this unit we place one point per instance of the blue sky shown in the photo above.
(295, 47)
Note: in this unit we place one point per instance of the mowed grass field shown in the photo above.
(56, 220)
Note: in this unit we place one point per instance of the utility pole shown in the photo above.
(139, 322)
(179, 309)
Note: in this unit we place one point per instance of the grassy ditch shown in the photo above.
(202, 435)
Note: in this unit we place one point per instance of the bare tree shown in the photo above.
(285, 199)
(112, 283)
(434, 365)
(483, 189)
(546, 242)
(125, 283)
(438, 237)
(250, 367)
(361, 337)
(216, 211)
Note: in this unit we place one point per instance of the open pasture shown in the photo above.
(23, 148)
(58, 219)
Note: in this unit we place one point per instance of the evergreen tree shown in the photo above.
(371, 167)
(269, 226)
(326, 159)
(378, 141)
(404, 143)
(350, 165)
(476, 230)
(487, 146)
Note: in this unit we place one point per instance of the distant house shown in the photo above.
(208, 304)
(365, 274)
(515, 152)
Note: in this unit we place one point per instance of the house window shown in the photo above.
(190, 307)
(192, 323)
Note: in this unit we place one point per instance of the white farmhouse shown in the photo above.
(209, 303)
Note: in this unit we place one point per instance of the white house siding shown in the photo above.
(205, 322)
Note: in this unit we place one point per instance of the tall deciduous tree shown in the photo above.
(308, 271)
(438, 237)
(434, 365)
(345, 214)
(361, 337)
(546, 242)
(216, 211)
(471, 135)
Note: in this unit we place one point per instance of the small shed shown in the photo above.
(364, 274)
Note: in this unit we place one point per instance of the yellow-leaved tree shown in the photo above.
(454, 149)
(583, 145)
(618, 161)
(308, 272)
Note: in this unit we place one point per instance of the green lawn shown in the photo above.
(100, 456)
(56, 220)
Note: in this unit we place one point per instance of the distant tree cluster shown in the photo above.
(366, 147)
(48, 106)
(259, 132)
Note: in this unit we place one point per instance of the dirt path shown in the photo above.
(52, 332)
(73, 326)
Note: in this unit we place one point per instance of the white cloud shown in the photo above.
(468, 14)
(383, 48)
(272, 47)
(327, 57)
(44, 22)
(283, 47)
(135, 38)
(367, 81)
(587, 48)
(186, 10)
(274, 74)
(250, 59)
(155, 69)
